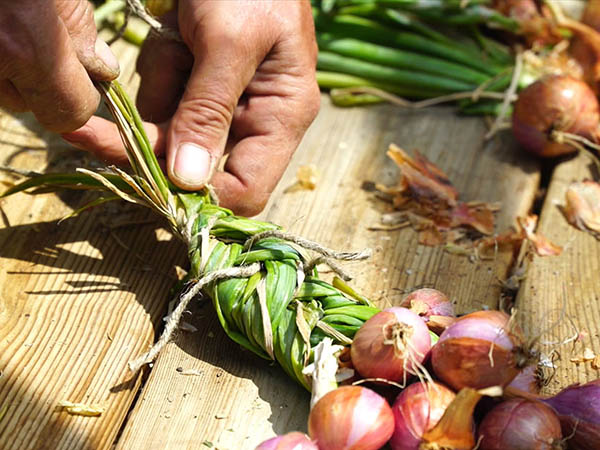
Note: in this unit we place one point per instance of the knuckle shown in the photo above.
(313, 102)
(205, 114)
(76, 15)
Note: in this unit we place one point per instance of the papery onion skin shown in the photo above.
(418, 409)
(554, 103)
(479, 350)
(374, 357)
(351, 418)
(520, 424)
(578, 409)
(528, 380)
(290, 441)
(428, 302)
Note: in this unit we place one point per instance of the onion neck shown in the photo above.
(455, 429)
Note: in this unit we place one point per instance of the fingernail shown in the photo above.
(192, 164)
(104, 52)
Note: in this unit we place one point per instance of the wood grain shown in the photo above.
(76, 304)
(559, 299)
(250, 400)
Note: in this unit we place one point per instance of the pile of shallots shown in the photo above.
(436, 382)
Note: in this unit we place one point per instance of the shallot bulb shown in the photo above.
(433, 306)
(520, 424)
(479, 350)
(290, 441)
(351, 418)
(578, 409)
(391, 345)
(528, 380)
(417, 410)
(552, 107)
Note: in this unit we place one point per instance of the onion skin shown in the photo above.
(579, 414)
(528, 380)
(373, 353)
(290, 441)
(351, 418)
(520, 424)
(591, 14)
(433, 306)
(554, 103)
(464, 354)
(417, 410)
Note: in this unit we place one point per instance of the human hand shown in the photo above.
(242, 83)
(49, 54)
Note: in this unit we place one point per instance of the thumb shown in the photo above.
(199, 130)
(93, 53)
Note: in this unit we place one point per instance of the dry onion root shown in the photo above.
(391, 345)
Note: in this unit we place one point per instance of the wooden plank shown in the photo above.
(251, 400)
(75, 305)
(559, 300)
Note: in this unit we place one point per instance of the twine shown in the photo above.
(175, 317)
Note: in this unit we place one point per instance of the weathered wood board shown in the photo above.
(559, 299)
(251, 401)
(76, 305)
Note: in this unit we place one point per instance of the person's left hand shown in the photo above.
(243, 84)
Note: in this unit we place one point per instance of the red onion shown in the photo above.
(578, 409)
(391, 345)
(528, 380)
(351, 418)
(433, 306)
(418, 409)
(556, 103)
(520, 424)
(290, 441)
(479, 350)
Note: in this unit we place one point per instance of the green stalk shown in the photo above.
(471, 15)
(368, 30)
(400, 59)
(106, 10)
(410, 79)
(268, 307)
(334, 80)
(451, 4)
(395, 18)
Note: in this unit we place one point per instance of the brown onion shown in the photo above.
(290, 441)
(556, 103)
(391, 345)
(479, 350)
(351, 418)
(417, 410)
(520, 424)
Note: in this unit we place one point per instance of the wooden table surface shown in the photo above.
(81, 298)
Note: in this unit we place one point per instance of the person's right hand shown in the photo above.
(49, 55)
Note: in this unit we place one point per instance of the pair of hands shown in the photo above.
(241, 83)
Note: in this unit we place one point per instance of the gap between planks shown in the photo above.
(250, 401)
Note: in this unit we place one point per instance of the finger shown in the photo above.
(164, 66)
(101, 137)
(10, 97)
(224, 65)
(95, 55)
